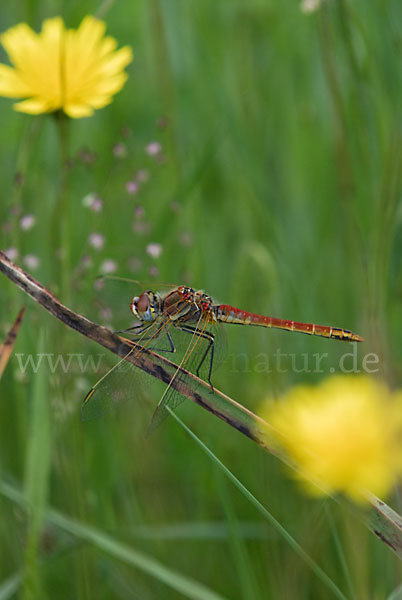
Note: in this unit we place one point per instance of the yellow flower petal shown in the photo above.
(77, 111)
(101, 101)
(110, 86)
(18, 42)
(116, 61)
(11, 82)
(32, 106)
(90, 32)
(108, 45)
(74, 70)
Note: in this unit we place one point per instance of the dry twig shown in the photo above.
(7, 346)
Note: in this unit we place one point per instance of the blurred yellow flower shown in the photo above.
(343, 435)
(75, 71)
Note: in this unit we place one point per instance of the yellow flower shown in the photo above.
(343, 435)
(75, 71)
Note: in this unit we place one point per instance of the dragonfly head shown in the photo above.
(146, 307)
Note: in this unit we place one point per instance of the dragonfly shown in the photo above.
(197, 317)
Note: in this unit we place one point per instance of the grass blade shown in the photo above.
(10, 586)
(37, 471)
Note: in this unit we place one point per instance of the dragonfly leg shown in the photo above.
(139, 329)
(210, 348)
(151, 337)
(172, 346)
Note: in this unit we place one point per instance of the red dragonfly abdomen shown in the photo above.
(229, 314)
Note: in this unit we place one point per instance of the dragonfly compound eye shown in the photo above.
(143, 303)
(145, 306)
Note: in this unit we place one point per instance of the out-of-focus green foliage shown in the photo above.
(276, 189)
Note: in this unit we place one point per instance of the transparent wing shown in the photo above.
(205, 348)
(121, 383)
(124, 381)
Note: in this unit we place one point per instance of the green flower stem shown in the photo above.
(62, 211)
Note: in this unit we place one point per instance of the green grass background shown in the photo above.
(279, 193)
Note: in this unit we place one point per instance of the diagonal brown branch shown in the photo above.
(155, 365)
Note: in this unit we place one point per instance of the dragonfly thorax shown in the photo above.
(147, 306)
